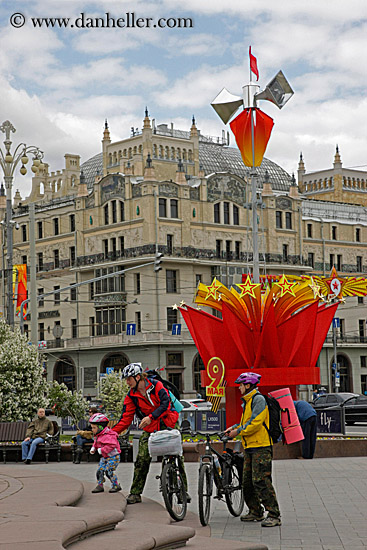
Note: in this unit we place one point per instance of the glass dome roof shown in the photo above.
(213, 158)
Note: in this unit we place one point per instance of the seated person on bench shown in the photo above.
(36, 433)
(84, 436)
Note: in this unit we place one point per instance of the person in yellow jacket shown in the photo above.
(257, 482)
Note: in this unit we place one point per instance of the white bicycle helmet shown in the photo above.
(133, 369)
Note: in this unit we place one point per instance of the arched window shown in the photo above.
(167, 153)
(42, 188)
(190, 155)
(197, 367)
(106, 214)
(161, 151)
(154, 151)
(172, 153)
(184, 154)
(130, 153)
(140, 149)
(73, 180)
(117, 361)
(110, 159)
(135, 150)
(122, 211)
(65, 372)
(346, 384)
(115, 158)
(125, 152)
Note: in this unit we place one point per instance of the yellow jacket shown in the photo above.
(251, 428)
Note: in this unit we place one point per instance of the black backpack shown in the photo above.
(275, 430)
(168, 385)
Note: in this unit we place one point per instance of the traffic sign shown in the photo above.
(337, 379)
(109, 370)
(131, 329)
(336, 322)
(176, 329)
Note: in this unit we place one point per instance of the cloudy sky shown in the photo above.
(59, 84)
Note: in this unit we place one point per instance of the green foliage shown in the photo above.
(23, 388)
(67, 403)
(112, 389)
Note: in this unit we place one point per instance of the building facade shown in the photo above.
(187, 196)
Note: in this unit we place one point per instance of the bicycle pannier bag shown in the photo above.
(165, 442)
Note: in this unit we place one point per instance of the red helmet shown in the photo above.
(99, 418)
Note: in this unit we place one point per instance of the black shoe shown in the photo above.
(115, 489)
(98, 489)
(188, 498)
(27, 461)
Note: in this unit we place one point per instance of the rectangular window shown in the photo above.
(339, 262)
(122, 211)
(237, 245)
(359, 263)
(56, 296)
(361, 329)
(56, 259)
(288, 220)
(137, 288)
(171, 281)
(72, 223)
(175, 358)
(40, 230)
(105, 247)
(24, 233)
(113, 247)
(73, 294)
(56, 226)
(114, 211)
(218, 249)
(74, 329)
(91, 291)
(41, 331)
(217, 212)
(138, 321)
(110, 320)
(41, 302)
(122, 245)
(333, 232)
(358, 235)
(363, 359)
(24, 260)
(169, 244)
(197, 279)
(163, 208)
(285, 252)
(174, 208)
(228, 250)
(171, 318)
(331, 261)
(311, 259)
(236, 219)
(309, 230)
(40, 261)
(364, 384)
(106, 220)
(360, 300)
(92, 331)
(72, 256)
(226, 212)
(176, 379)
(342, 328)
(278, 219)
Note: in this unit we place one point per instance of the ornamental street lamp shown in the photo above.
(8, 162)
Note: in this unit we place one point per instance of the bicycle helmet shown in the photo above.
(100, 420)
(132, 370)
(248, 378)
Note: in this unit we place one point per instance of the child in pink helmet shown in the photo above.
(107, 445)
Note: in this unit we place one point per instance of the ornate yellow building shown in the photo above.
(187, 196)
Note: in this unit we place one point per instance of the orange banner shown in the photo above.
(241, 127)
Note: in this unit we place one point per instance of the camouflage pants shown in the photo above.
(142, 463)
(257, 483)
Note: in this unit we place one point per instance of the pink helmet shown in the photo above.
(99, 418)
(248, 378)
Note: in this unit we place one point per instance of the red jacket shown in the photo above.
(157, 405)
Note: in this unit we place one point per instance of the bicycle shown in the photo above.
(172, 487)
(225, 469)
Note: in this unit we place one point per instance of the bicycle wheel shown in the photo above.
(205, 493)
(174, 493)
(232, 486)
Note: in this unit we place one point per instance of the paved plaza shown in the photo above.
(323, 502)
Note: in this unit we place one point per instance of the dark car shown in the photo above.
(355, 405)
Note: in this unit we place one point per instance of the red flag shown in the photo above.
(253, 64)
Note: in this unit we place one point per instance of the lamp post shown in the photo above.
(8, 162)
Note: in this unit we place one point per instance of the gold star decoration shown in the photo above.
(315, 289)
(175, 306)
(182, 303)
(286, 287)
(213, 289)
(248, 287)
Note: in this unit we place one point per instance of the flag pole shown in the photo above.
(255, 240)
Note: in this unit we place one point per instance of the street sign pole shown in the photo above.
(336, 372)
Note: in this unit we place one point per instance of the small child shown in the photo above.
(107, 445)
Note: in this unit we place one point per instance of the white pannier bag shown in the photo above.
(165, 442)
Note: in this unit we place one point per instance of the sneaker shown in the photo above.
(252, 517)
(27, 461)
(115, 489)
(133, 499)
(98, 489)
(271, 522)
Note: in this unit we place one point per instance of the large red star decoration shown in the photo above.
(248, 287)
(286, 287)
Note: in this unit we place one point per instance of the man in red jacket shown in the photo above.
(150, 401)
